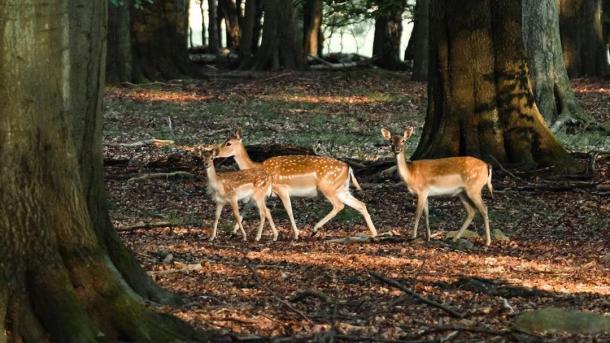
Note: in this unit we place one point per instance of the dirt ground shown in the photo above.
(557, 254)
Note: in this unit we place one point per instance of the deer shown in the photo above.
(232, 187)
(463, 177)
(303, 176)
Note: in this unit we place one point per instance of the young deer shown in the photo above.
(464, 177)
(303, 176)
(230, 187)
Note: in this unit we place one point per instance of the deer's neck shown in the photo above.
(243, 160)
(403, 169)
(212, 177)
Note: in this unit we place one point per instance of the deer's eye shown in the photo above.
(228, 144)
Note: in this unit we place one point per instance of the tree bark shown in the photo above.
(119, 67)
(480, 101)
(388, 30)
(420, 55)
(213, 33)
(159, 40)
(246, 51)
(57, 282)
(230, 12)
(203, 30)
(279, 47)
(584, 48)
(550, 83)
(312, 27)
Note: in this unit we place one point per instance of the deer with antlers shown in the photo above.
(303, 176)
(231, 187)
(464, 177)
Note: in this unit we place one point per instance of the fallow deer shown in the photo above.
(231, 187)
(464, 177)
(303, 176)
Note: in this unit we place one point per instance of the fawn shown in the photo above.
(464, 177)
(303, 176)
(231, 187)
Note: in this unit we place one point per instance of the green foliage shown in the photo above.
(340, 13)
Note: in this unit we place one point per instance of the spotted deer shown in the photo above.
(464, 177)
(231, 187)
(303, 176)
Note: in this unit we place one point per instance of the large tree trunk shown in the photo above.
(159, 36)
(57, 282)
(280, 47)
(480, 101)
(420, 54)
(312, 27)
(388, 30)
(230, 12)
(119, 67)
(584, 48)
(550, 82)
(213, 33)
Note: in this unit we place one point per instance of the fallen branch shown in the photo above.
(383, 238)
(276, 297)
(421, 298)
(308, 293)
(153, 141)
(162, 175)
(482, 330)
(153, 225)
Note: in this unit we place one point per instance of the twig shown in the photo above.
(276, 297)
(462, 328)
(162, 175)
(504, 169)
(421, 298)
(152, 141)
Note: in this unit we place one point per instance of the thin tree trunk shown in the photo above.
(550, 83)
(57, 282)
(420, 56)
(388, 31)
(312, 26)
(480, 101)
(203, 30)
(279, 48)
(246, 51)
(213, 33)
(119, 68)
(584, 48)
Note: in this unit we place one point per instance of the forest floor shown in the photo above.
(557, 253)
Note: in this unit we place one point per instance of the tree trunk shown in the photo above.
(57, 282)
(159, 37)
(388, 30)
(246, 51)
(202, 11)
(550, 83)
(584, 48)
(312, 27)
(119, 67)
(480, 101)
(420, 55)
(213, 33)
(230, 12)
(279, 48)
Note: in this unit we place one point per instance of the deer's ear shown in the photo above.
(237, 134)
(386, 134)
(215, 151)
(408, 132)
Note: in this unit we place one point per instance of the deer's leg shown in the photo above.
(285, 198)
(337, 207)
(238, 218)
(219, 207)
(260, 204)
(421, 203)
(427, 220)
(347, 198)
(477, 201)
(271, 223)
(469, 206)
(243, 210)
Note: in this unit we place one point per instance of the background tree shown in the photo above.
(249, 39)
(57, 281)
(312, 27)
(550, 83)
(279, 47)
(231, 12)
(584, 48)
(120, 64)
(419, 39)
(388, 31)
(213, 32)
(480, 101)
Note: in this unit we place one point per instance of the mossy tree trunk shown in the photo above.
(388, 31)
(550, 83)
(421, 30)
(480, 101)
(312, 27)
(159, 33)
(57, 280)
(584, 48)
(280, 48)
